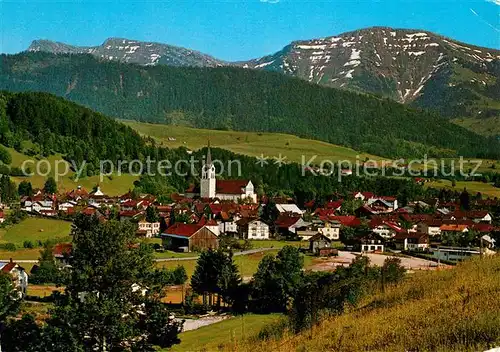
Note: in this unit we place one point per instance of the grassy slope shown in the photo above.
(33, 229)
(268, 144)
(486, 126)
(472, 187)
(249, 143)
(116, 185)
(209, 338)
(451, 310)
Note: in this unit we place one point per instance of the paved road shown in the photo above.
(250, 251)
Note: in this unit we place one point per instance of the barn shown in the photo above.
(189, 237)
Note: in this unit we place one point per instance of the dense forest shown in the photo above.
(240, 99)
(54, 125)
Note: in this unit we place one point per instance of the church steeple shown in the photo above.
(209, 155)
(208, 181)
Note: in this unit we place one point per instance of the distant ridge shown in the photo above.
(133, 51)
(414, 67)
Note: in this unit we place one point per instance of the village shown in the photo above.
(228, 214)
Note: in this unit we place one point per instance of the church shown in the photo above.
(211, 188)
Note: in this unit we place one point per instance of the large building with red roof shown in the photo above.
(189, 237)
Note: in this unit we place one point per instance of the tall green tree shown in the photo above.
(215, 275)
(50, 185)
(9, 301)
(25, 189)
(47, 271)
(112, 300)
(277, 279)
(152, 214)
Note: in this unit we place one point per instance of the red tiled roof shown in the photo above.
(88, 211)
(8, 267)
(185, 230)
(483, 227)
(62, 249)
(334, 205)
(231, 186)
(130, 203)
(286, 221)
(207, 222)
(309, 204)
(79, 192)
(321, 212)
(453, 227)
(130, 213)
(474, 214)
(346, 220)
(365, 194)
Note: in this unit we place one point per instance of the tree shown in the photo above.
(5, 156)
(9, 301)
(22, 335)
(25, 189)
(47, 271)
(277, 279)
(112, 299)
(465, 200)
(179, 275)
(8, 189)
(392, 271)
(50, 185)
(215, 274)
(152, 214)
(347, 234)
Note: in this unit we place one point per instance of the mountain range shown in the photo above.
(234, 98)
(413, 67)
(133, 51)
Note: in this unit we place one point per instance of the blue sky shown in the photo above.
(237, 30)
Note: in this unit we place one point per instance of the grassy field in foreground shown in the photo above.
(472, 187)
(114, 185)
(34, 229)
(448, 310)
(209, 338)
(248, 143)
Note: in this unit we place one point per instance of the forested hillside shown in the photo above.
(239, 99)
(54, 125)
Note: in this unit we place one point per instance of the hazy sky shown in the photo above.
(238, 30)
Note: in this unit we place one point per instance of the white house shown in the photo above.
(330, 230)
(19, 276)
(66, 206)
(432, 228)
(253, 229)
(149, 229)
(228, 227)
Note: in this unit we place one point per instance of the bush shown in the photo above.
(8, 247)
(274, 330)
(28, 244)
(5, 156)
